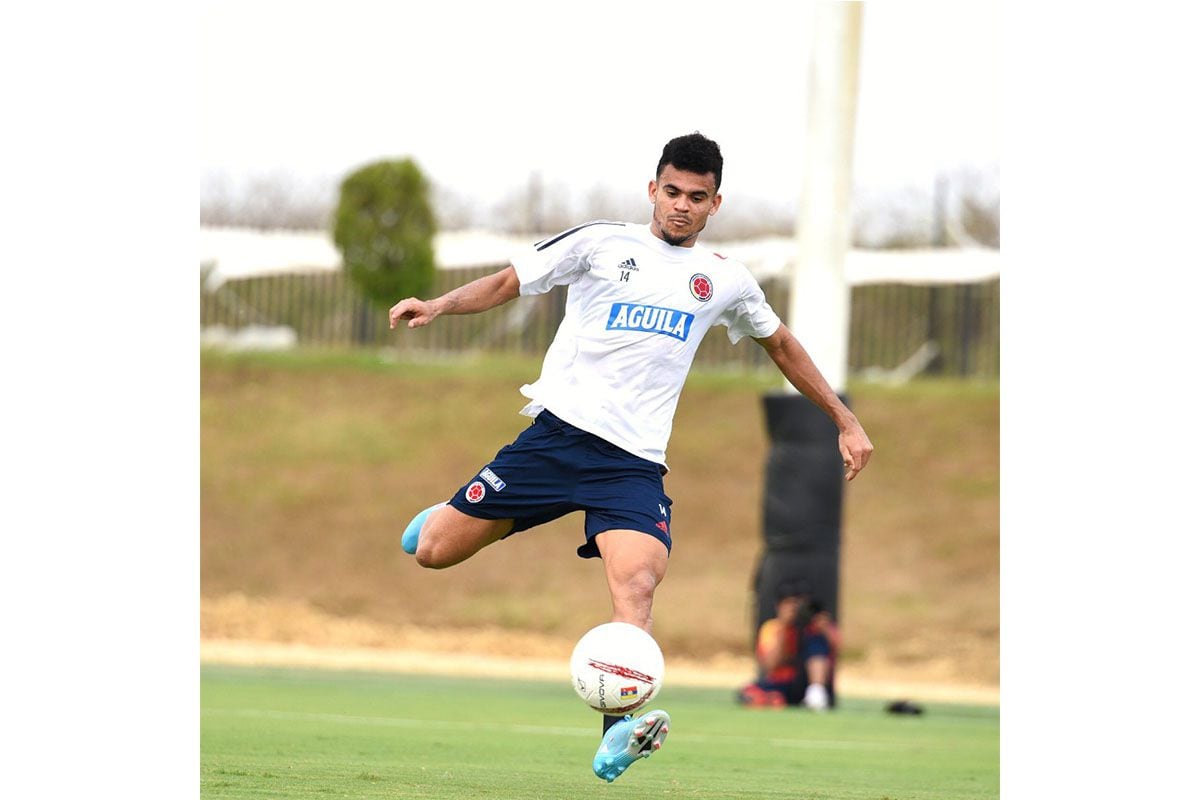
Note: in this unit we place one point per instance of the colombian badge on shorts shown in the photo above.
(475, 492)
(701, 286)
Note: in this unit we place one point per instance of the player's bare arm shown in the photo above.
(796, 365)
(475, 297)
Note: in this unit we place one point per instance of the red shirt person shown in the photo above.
(795, 662)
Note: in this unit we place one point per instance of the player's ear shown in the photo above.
(716, 204)
(653, 190)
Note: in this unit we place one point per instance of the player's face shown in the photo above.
(683, 202)
(788, 609)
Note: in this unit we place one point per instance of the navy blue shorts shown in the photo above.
(815, 645)
(554, 468)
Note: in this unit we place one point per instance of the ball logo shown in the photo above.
(702, 288)
(620, 671)
(475, 492)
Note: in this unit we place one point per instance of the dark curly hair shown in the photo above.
(692, 153)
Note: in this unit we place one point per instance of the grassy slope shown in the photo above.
(292, 734)
(311, 465)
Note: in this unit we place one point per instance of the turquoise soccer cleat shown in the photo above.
(629, 740)
(412, 534)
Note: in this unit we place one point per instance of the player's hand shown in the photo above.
(856, 450)
(417, 312)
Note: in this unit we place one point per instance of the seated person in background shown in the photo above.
(796, 651)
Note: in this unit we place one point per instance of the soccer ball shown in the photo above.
(616, 668)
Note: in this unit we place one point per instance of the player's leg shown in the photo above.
(818, 669)
(634, 565)
(816, 654)
(523, 486)
(628, 526)
(448, 536)
(816, 696)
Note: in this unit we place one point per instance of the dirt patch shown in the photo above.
(239, 630)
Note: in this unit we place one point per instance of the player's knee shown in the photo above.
(638, 583)
(424, 558)
(444, 545)
(432, 554)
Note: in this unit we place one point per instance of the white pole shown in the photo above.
(819, 307)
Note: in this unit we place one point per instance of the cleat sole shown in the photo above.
(621, 749)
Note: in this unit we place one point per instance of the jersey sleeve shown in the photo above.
(560, 259)
(751, 314)
(770, 634)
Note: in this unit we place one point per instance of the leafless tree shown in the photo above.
(454, 211)
(533, 208)
(268, 201)
(959, 207)
(893, 218)
(977, 206)
(751, 218)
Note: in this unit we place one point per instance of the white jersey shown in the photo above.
(636, 311)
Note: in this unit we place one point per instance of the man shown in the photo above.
(795, 651)
(639, 301)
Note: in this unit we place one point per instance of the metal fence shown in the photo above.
(896, 330)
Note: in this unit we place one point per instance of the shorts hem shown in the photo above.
(589, 549)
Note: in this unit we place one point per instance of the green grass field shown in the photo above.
(300, 734)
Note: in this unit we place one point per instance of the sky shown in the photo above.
(483, 95)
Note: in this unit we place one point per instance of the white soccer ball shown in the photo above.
(616, 668)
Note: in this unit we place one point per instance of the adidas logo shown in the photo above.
(628, 263)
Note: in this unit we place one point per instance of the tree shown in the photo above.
(384, 227)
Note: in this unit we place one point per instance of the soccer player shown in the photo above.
(639, 300)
